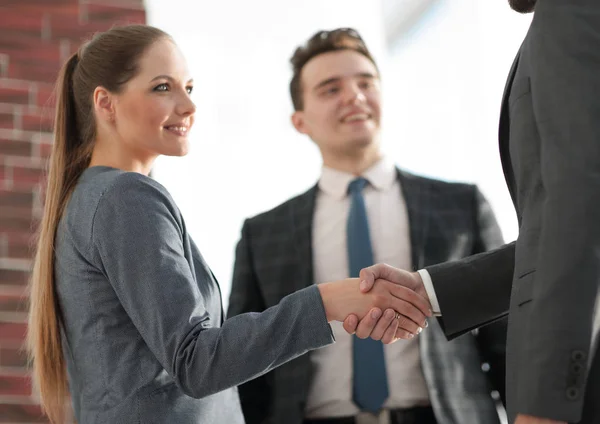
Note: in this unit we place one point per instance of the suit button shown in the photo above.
(572, 393)
(577, 368)
(578, 355)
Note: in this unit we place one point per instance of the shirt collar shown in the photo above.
(335, 183)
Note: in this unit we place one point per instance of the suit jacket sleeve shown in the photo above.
(491, 339)
(564, 52)
(255, 395)
(482, 281)
(138, 241)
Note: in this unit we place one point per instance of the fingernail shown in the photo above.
(419, 330)
(375, 314)
(389, 314)
(411, 335)
(363, 284)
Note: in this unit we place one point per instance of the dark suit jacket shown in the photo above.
(549, 278)
(447, 221)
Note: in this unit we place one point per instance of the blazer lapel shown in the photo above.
(302, 212)
(416, 196)
(504, 132)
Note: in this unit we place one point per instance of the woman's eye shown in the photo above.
(189, 89)
(162, 87)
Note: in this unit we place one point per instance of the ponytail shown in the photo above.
(69, 158)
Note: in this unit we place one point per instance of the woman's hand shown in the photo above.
(343, 298)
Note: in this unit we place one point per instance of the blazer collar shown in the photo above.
(504, 131)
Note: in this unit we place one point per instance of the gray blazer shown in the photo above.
(548, 280)
(447, 221)
(143, 332)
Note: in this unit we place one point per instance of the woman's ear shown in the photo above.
(104, 104)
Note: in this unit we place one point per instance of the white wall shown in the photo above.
(442, 85)
(246, 157)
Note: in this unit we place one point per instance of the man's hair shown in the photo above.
(323, 42)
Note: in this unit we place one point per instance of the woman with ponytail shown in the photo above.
(125, 315)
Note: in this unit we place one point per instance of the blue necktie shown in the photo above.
(370, 387)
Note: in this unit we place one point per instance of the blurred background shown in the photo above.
(443, 64)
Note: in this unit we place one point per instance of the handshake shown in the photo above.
(385, 303)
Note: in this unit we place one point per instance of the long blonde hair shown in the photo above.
(109, 60)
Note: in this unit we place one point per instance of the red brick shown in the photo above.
(45, 149)
(45, 95)
(33, 71)
(12, 225)
(14, 95)
(72, 30)
(15, 148)
(32, 52)
(133, 4)
(20, 47)
(26, 177)
(14, 357)
(21, 414)
(22, 251)
(16, 198)
(12, 277)
(21, 246)
(15, 385)
(43, 145)
(44, 121)
(3, 174)
(12, 40)
(7, 120)
(26, 20)
(41, 4)
(13, 303)
(13, 331)
(15, 219)
(114, 13)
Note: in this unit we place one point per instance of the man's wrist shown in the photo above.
(427, 287)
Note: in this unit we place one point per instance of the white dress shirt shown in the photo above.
(330, 393)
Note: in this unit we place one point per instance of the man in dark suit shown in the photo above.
(355, 215)
(548, 280)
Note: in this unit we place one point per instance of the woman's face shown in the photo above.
(154, 113)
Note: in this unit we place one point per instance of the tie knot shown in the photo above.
(357, 185)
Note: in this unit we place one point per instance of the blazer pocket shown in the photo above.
(524, 288)
(520, 87)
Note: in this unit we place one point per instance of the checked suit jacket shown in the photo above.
(447, 221)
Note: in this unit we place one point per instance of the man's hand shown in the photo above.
(411, 280)
(382, 329)
(528, 419)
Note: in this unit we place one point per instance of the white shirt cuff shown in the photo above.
(435, 306)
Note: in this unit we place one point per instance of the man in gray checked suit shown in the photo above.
(395, 217)
(549, 280)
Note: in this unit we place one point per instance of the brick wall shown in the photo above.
(36, 36)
